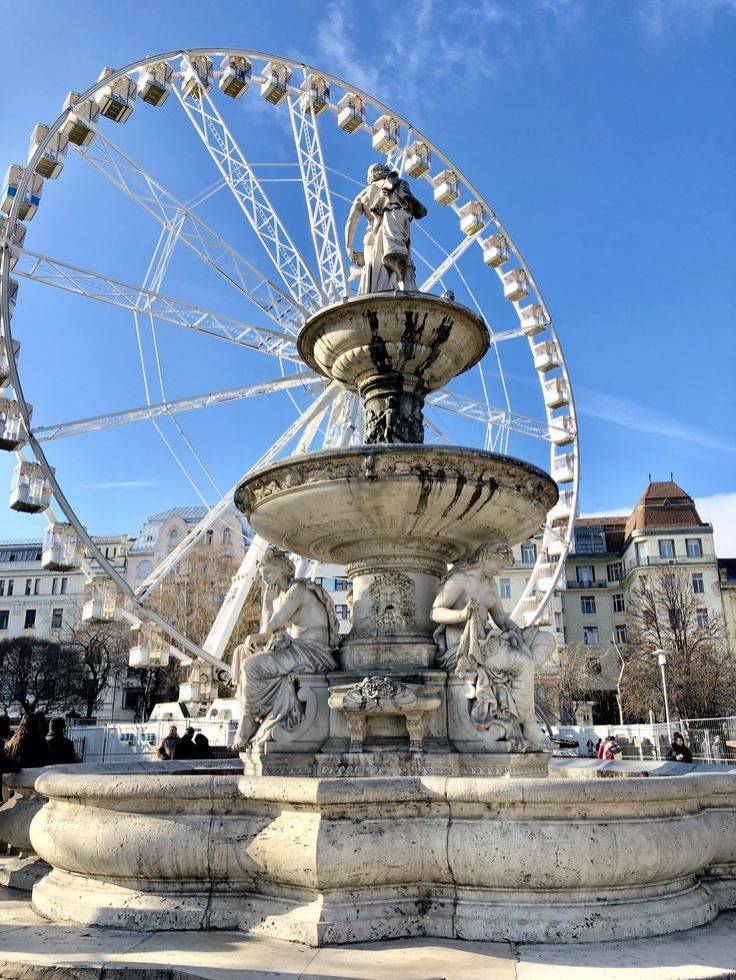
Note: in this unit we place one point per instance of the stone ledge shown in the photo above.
(32, 948)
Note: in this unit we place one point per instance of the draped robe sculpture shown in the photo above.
(299, 631)
(499, 663)
(389, 207)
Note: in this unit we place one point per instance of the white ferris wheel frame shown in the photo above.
(286, 305)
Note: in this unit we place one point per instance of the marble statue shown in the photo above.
(299, 631)
(499, 663)
(389, 207)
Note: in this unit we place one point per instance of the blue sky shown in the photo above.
(602, 133)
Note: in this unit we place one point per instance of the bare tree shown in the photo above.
(38, 675)
(567, 680)
(665, 614)
(152, 686)
(102, 651)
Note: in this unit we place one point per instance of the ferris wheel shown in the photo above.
(319, 135)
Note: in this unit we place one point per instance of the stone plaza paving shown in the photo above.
(33, 947)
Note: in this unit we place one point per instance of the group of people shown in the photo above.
(608, 749)
(35, 742)
(189, 746)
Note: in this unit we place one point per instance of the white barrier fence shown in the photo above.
(120, 742)
(711, 740)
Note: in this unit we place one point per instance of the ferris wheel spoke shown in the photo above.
(317, 408)
(63, 430)
(141, 188)
(330, 261)
(251, 197)
(137, 299)
(478, 411)
(448, 262)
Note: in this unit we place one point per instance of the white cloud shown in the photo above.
(641, 418)
(719, 509)
(122, 485)
(662, 20)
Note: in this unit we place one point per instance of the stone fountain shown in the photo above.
(395, 783)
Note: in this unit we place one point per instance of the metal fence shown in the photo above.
(711, 740)
(124, 742)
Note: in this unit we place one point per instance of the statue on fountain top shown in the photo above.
(299, 631)
(389, 207)
(499, 663)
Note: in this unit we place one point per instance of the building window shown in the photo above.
(2, 586)
(343, 612)
(143, 571)
(593, 666)
(642, 556)
(615, 572)
(698, 584)
(585, 574)
(666, 548)
(504, 585)
(702, 615)
(29, 583)
(30, 621)
(590, 635)
(587, 604)
(10, 586)
(36, 586)
(57, 618)
(583, 543)
(559, 624)
(341, 585)
(618, 602)
(210, 536)
(319, 580)
(4, 617)
(131, 699)
(54, 586)
(528, 553)
(227, 535)
(63, 585)
(694, 547)
(621, 634)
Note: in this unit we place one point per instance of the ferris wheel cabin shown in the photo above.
(31, 195)
(235, 76)
(117, 99)
(276, 77)
(78, 126)
(316, 94)
(51, 161)
(62, 548)
(12, 429)
(30, 491)
(154, 83)
(198, 76)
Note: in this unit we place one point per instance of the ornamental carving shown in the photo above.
(392, 603)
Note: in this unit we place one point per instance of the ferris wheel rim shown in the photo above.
(412, 131)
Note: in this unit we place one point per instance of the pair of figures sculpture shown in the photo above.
(300, 631)
(299, 628)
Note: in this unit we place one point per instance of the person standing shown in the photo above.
(167, 747)
(679, 752)
(61, 748)
(185, 748)
(28, 747)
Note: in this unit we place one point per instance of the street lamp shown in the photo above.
(662, 661)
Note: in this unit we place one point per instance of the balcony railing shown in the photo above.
(653, 561)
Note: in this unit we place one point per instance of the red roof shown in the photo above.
(663, 505)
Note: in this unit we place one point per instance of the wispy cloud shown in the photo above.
(665, 20)
(122, 485)
(641, 418)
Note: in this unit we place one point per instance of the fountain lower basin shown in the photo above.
(324, 861)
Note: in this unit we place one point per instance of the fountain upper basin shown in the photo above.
(424, 339)
(440, 502)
